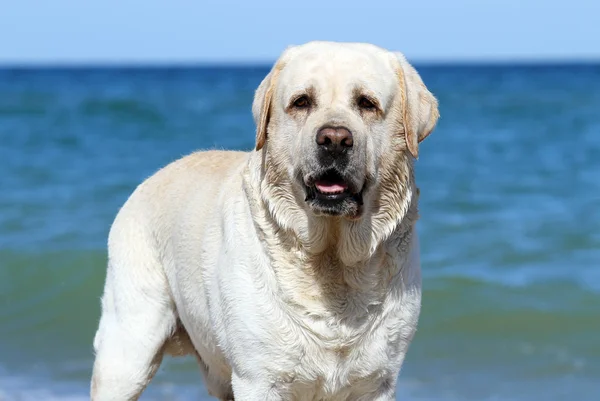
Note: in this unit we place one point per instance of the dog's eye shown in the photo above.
(365, 103)
(302, 102)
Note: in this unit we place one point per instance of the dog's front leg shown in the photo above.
(252, 389)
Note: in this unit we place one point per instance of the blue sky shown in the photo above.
(151, 31)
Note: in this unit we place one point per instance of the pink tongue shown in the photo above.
(327, 187)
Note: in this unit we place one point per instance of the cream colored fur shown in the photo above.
(219, 255)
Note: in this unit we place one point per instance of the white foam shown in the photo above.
(35, 388)
(13, 388)
(20, 388)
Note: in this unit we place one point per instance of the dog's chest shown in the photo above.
(352, 328)
(339, 361)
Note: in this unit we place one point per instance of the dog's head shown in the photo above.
(332, 116)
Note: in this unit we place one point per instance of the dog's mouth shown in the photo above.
(332, 194)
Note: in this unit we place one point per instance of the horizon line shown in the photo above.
(423, 62)
(266, 64)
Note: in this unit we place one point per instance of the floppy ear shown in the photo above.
(261, 106)
(419, 106)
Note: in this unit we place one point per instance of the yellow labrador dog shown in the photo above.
(292, 272)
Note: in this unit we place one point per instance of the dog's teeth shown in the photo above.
(330, 193)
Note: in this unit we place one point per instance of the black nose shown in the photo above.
(335, 140)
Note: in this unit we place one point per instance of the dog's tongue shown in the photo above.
(328, 187)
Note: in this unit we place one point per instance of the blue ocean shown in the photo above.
(510, 221)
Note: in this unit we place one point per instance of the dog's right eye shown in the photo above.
(302, 102)
(365, 103)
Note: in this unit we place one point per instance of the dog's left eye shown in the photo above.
(365, 103)
(302, 102)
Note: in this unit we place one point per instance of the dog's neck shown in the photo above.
(329, 266)
(391, 210)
